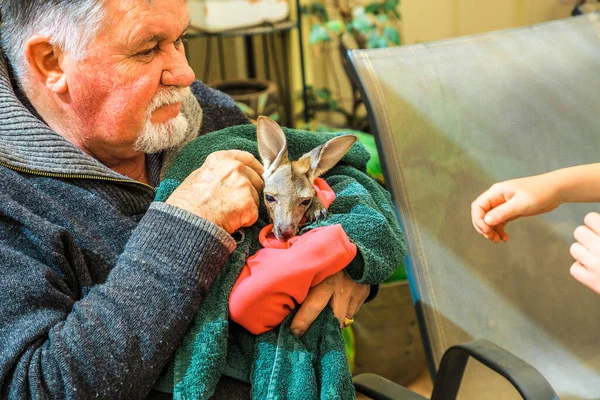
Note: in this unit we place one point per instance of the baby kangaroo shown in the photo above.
(289, 194)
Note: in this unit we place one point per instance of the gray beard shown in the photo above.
(154, 138)
(165, 135)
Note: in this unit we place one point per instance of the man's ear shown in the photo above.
(44, 61)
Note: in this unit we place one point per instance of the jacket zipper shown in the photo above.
(73, 176)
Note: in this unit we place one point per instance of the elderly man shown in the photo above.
(98, 282)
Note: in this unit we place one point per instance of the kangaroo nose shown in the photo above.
(284, 232)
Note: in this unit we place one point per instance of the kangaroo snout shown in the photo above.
(284, 231)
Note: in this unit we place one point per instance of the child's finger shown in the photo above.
(592, 221)
(584, 256)
(585, 276)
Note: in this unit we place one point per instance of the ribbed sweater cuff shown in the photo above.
(182, 240)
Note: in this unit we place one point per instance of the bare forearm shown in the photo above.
(580, 184)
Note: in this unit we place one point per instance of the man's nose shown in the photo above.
(177, 72)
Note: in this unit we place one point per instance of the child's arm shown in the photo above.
(509, 200)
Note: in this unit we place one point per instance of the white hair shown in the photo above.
(71, 25)
(155, 137)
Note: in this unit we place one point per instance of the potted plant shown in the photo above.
(349, 24)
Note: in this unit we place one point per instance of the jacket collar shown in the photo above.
(27, 143)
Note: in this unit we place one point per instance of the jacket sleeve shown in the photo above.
(61, 339)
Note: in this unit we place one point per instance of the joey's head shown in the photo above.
(288, 192)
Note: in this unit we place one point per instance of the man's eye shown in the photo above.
(270, 198)
(148, 52)
(306, 202)
(180, 40)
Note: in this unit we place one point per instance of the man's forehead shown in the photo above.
(128, 5)
(158, 37)
(147, 18)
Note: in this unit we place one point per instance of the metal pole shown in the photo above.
(300, 43)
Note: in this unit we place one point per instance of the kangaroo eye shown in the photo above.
(306, 202)
(269, 198)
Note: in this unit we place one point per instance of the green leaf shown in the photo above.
(391, 6)
(323, 93)
(262, 102)
(362, 24)
(318, 9)
(274, 116)
(374, 41)
(333, 104)
(392, 35)
(373, 8)
(358, 11)
(335, 26)
(305, 9)
(318, 34)
(245, 108)
(383, 18)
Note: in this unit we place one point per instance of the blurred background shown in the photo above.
(233, 44)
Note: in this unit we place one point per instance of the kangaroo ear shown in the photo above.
(324, 157)
(272, 144)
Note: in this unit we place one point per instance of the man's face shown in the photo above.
(133, 80)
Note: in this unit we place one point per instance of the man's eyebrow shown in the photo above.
(160, 37)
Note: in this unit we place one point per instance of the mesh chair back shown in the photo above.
(452, 118)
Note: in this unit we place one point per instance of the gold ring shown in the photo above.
(348, 322)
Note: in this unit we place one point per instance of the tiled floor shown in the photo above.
(422, 385)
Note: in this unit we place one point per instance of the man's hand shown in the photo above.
(509, 200)
(345, 296)
(586, 252)
(224, 190)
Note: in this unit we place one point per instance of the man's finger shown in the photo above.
(249, 160)
(256, 199)
(254, 178)
(317, 299)
(340, 302)
(360, 294)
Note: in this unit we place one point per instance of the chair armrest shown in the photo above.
(530, 384)
(379, 388)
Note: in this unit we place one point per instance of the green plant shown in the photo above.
(355, 24)
(368, 25)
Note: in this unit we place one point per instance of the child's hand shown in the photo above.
(509, 200)
(586, 252)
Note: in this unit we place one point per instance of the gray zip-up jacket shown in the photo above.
(98, 283)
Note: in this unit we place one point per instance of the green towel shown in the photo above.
(277, 363)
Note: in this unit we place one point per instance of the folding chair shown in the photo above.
(450, 119)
